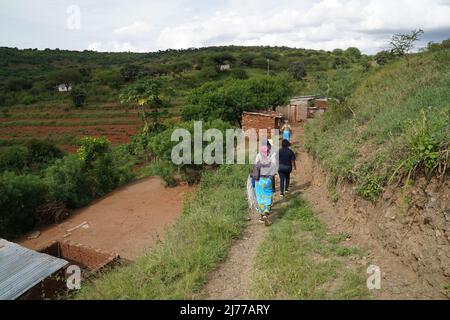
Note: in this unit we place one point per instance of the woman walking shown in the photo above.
(264, 172)
(286, 131)
(287, 162)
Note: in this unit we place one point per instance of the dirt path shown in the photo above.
(126, 221)
(232, 278)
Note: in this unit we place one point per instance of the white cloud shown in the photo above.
(134, 29)
(146, 25)
(325, 24)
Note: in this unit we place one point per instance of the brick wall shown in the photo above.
(259, 121)
(321, 103)
(85, 256)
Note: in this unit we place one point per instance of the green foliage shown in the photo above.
(369, 188)
(161, 147)
(425, 149)
(14, 158)
(383, 57)
(65, 76)
(92, 148)
(297, 70)
(91, 173)
(78, 96)
(42, 151)
(229, 99)
(19, 197)
(68, 182)
(129, 73)
(33, 155)
(151, 95)
(239, 74)
(393, 125)
(353, 54)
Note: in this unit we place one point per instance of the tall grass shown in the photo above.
(299, 260)
(367, 139)
(198, 240)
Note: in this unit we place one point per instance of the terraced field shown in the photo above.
(115, 122)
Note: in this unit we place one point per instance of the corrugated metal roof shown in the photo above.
(22, 268)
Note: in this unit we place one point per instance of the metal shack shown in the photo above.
(302, 108)
(21, 269)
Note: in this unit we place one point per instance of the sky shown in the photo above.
(149, 25)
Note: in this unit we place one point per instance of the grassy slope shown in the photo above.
(199, 240)
(387, 132)
(298, 259)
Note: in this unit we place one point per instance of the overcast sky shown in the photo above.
(150, 25)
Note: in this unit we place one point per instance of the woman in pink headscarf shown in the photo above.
(266, 167)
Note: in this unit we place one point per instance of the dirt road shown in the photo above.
(126, 221)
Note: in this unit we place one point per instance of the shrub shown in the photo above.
(19, 196)
(92, 148)
(13, 158)
(42, 151)
(92, 172)
(240, 74)
(297, 70)
(68, 182)
(78, 97)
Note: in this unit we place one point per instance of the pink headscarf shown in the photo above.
(264, 150)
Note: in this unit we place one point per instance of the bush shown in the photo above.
(14, 158)
(92, 148)
(92, 172)
(78, 97)
(68, 182)
(297, 70)
(19, 196)
(42, 152)
(240, 74)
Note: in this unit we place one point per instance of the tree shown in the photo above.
(130, 72)
(239, 74)
(353, 54)
(67, 77)
(227, 100)
(78, 96)
(297, 70)
(402, 43)
(383, 57)
(149, 96)
(338, 52)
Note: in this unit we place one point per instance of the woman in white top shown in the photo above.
(264, 191)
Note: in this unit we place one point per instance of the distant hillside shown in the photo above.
(29, 77)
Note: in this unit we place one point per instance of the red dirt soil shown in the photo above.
(128, 221)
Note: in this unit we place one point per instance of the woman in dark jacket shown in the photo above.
(286, 163)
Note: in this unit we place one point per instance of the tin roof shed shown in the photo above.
(21, 269)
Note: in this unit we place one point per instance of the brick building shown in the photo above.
(261, 120)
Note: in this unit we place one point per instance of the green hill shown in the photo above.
(395, 125)
(29, 77)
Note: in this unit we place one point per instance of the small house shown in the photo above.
(63, 87)
(224, 67)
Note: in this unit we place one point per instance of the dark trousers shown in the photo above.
(285, 178)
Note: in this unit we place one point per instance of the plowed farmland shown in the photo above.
(65, 128)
